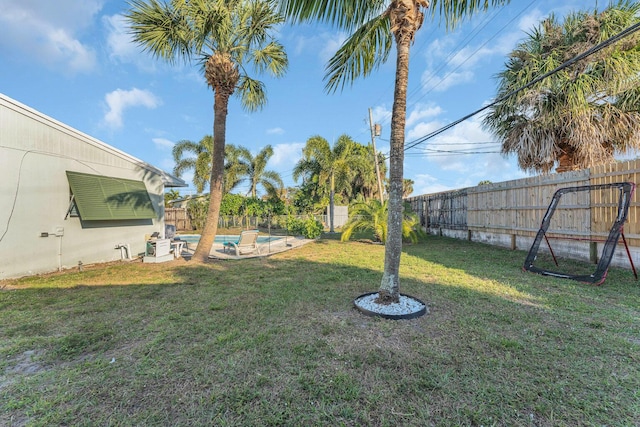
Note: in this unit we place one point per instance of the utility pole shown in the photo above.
(375, 131)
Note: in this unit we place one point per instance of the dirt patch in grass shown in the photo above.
(20, 365)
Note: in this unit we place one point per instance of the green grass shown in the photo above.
(276, 341)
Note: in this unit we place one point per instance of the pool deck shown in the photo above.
(266, 249)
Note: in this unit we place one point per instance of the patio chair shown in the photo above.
(247, 243)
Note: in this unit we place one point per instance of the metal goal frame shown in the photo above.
(626, 190)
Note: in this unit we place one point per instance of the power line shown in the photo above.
(428, 151)
(597, 48)
(463, 43)
(456, 155)
(452, 55)
(448, 144)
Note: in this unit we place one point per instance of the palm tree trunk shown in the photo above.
(390, 287)
(210, 230)
(566, 158)
(332, 193)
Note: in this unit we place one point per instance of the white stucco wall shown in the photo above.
(35, 153)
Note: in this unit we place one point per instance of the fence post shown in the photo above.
(593, 252)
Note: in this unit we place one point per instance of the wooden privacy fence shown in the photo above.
(178, 217)
(510, 213)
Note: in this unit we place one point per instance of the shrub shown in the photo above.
(310, 228)
(197, 210)
(372, 216)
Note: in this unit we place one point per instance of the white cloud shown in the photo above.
(119, 42)
(422, 111)
(423, 128)
(326, 44)
(467, 136)
(427, 184)
(163, 144)
(119, 100)
(286, 154)
(450, 64)
(332, 42)
(466, 151)
(275, 131)
(48, 31)
(381, 114)
(530, 21)
(432, 82)
(122, 48)
(167, 164)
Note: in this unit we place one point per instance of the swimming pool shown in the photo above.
(195, 238)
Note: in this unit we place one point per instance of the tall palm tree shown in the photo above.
(226, 37)
(374, 25)
(582, 115)
(333, 166)
(255, 171)
(200, 163)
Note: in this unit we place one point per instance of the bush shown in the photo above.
(197, 210)
(310, 228)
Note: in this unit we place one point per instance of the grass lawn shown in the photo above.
(276, 341)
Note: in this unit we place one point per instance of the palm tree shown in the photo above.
(372, 216)
(226, 37)
(200, 164)
(254, 170)
(374, 25)
(407, 187)
(583, 115)
(170, 196)
(234, 171)
(365, 181)
(335, 167)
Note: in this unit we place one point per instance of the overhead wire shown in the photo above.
(566, 64)
(455, 51)
(443, 79)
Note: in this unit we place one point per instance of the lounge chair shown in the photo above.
(247, 243)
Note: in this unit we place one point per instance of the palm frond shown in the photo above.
(361, 53)
(579, 116)
(454, 11)
(252, 92)
(345, 14)
(160, 29)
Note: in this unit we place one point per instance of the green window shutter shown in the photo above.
(105, 198)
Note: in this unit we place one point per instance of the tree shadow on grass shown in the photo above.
(276, 341)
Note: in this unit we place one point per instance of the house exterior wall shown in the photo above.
(35, 153)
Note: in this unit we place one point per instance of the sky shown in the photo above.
(74, 61)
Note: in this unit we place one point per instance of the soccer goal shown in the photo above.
(568, 218)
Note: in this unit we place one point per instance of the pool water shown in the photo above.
(195, 238)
